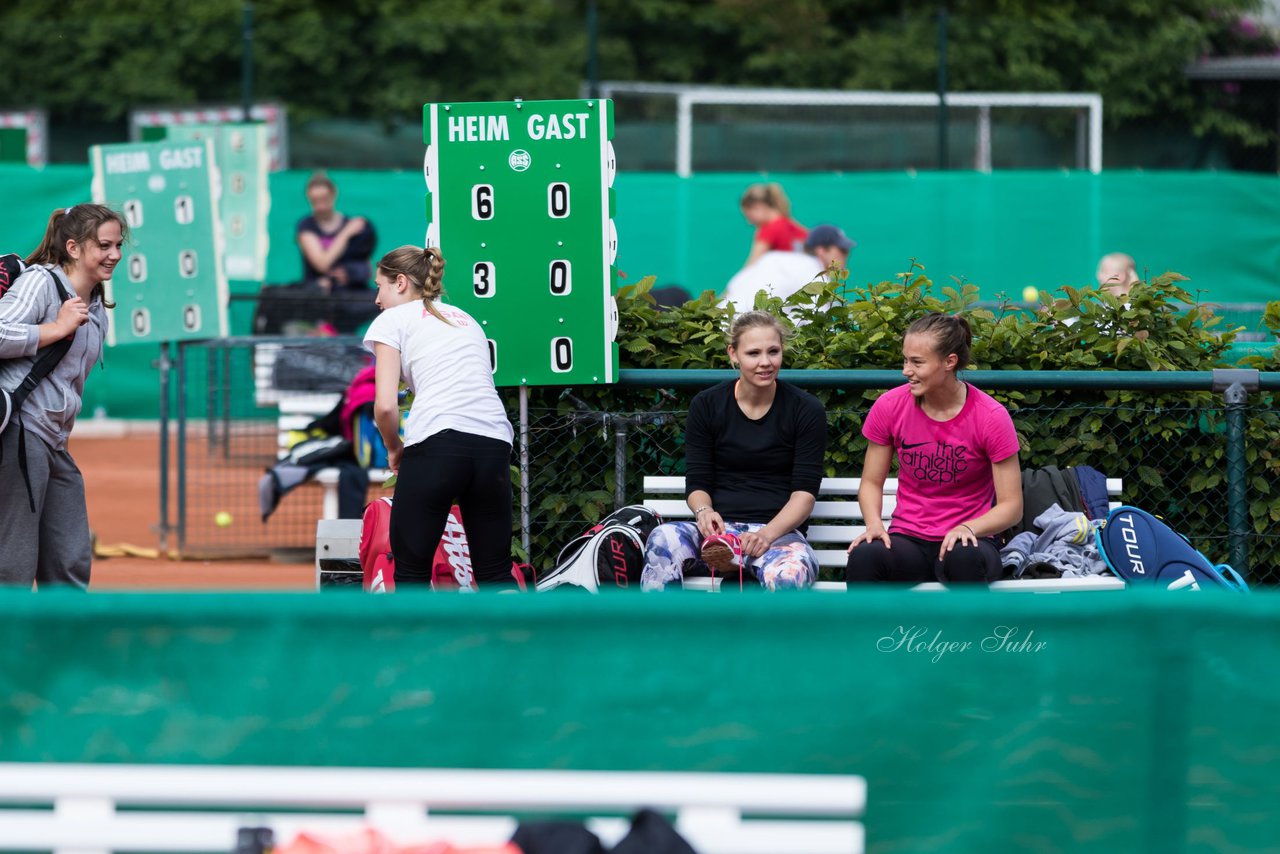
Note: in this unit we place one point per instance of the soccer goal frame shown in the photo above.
(1088, 107)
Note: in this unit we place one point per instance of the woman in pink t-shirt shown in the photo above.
(767, 207)
(959, 483)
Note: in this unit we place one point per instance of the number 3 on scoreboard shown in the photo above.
(482, 201)
(482, 281)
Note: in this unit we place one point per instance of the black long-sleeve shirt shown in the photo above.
(751, 467)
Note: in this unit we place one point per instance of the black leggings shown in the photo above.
(447, 466)
(913, 560)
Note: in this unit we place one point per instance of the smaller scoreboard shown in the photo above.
(240, 153)
(170, 285)
(520, 202)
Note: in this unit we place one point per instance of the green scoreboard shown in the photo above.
(520, 202)
(241, 156)
(170, 285)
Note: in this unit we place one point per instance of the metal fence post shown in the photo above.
(182, 446)
(225, 395)
(524, 470)
(1235, 385)
(620, 463)
(163, 363)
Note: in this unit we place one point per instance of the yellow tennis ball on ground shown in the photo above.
(1030, 294)
(222, 519)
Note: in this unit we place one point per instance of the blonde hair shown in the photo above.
(320, 179)
(424, 268)
(769, 194)
(753, 319)
(78, 223)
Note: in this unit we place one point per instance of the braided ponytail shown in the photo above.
(424, 268)
(433, 282)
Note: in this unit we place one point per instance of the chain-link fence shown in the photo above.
(240, 404)
(588, 450)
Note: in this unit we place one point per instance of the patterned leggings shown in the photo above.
(673, 549)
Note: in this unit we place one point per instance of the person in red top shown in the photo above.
(767, 208)
(959, 484)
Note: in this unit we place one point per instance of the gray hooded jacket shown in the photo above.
(52, 408)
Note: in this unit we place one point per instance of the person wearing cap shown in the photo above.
(830, 245)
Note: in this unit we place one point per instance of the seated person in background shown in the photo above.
(1117, 273)
(959, 484)
(754, 450)
(767, 207)
(336, 250)
(781, 274)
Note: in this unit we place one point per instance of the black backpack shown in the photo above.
(11, 267)
(610, 553)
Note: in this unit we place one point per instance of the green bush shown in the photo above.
(1169, 447)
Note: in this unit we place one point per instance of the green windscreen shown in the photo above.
(13, 145)
(981, 721)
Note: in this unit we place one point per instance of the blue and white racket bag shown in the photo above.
(1142, 549)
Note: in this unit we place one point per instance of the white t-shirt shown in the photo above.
(446, 367)
(781, 274)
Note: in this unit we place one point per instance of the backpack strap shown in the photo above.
(48, 358)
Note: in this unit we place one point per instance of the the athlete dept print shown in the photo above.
(936, 462)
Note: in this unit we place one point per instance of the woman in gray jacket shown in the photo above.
(44, 524)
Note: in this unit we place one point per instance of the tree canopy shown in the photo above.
(382, 59)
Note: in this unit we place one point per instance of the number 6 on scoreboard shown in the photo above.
(482, 201)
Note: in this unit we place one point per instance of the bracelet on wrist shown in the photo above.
(698, 512)
(971, 531)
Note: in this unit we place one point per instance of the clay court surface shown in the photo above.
(123, 491)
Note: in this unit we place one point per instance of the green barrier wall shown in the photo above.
(1107, 722)
(1002, 231)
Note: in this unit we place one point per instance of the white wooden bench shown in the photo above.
(337, 548)
(837, 519)
(95, 809)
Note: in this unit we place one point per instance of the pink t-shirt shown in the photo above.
(944, 467)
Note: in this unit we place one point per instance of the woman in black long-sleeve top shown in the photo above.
(753, 464)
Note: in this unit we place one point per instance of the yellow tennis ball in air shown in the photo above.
(1030, 294)
(222, 519)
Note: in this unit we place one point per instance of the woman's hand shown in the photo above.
(962, 534)
(73, 314)
(874, 531)
(755, 543)
(709, 522)
(393, 457)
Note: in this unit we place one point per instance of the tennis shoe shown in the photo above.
(722, 553)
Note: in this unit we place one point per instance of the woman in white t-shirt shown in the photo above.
(457, 441)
